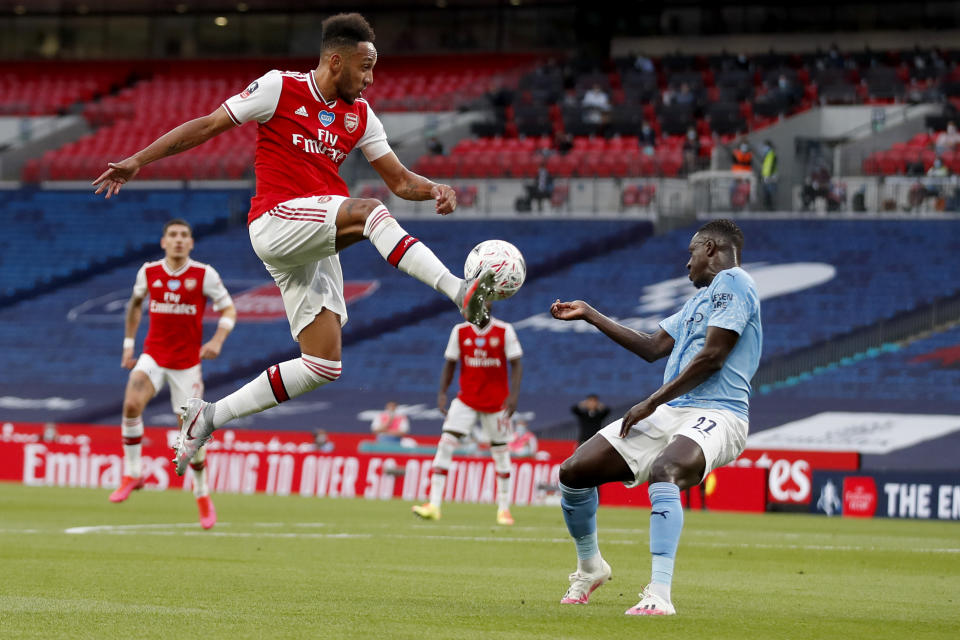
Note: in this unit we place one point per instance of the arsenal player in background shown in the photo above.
(302, 215)
(178, 288)
(488, 394)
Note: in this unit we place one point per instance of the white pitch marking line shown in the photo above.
(159, 529)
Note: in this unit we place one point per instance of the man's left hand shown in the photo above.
(210, 350)
(446, 198)
(636, 413)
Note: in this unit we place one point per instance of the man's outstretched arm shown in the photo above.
(649, 346)
(186, 136)
(410, 186)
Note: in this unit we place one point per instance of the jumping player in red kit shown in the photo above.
(178, 288)
(302, 215)
(486, 394)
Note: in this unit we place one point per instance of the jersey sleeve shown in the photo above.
(213, 288)
(373, 143)
(140, 283)
(733, 301)
(258, 101)
(672, 324)
(511, 345)
(453, 346)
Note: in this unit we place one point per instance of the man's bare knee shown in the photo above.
(570, 475)
(682, 475)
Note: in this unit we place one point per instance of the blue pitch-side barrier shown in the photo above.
(818, 278)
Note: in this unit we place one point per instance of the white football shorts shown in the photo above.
(494, 427)
(297, 242)
(184, 383)
(721, 435)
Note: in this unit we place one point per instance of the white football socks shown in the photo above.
(441, 464)
(132, 431)
(408, 254)
(277, 384)
(501, 464)
(199, 466)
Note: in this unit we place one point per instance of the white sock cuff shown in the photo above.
(378, 216)
(328, 370)
(132, 427)
(501, 458)
(445, 448)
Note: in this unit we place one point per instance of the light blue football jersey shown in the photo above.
(730, 302)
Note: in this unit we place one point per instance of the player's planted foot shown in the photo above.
(473, 296)
(196, 427)
(504, 517)
(426, 511)
(651, 605)
(127, 486)
(583, 584)
(208, 514)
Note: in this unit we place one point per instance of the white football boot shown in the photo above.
(651, 605)
(196, 428)
(583, 584)
(473, 296)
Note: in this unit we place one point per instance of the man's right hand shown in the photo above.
(127, 361)
(576, 310)
(118, 174)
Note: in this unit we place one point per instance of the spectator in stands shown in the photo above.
(742, 62)
(389, 425)
(596, 106)
(643, 64)
(936, 185)
(523, 443)
(949, 139)
(542, 187)
(691, 151)
(790, 92)
(742, 158)
(563, 142)
(685, 96)
(590, 414)
(569, 100)
(768, 175)
(434, 146)
(647, 138)
(321, 441)
(816, 185)
(500, 95)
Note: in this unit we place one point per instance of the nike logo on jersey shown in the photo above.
(302, 111)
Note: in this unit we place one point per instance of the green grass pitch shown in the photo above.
(76, 566)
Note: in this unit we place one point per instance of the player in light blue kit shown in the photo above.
(694, 423)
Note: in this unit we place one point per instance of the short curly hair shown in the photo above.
(345, 30)
(726, 229)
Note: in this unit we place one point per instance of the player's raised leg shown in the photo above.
(594, 463)
(277, 384)
(367, 218)
(138, 393)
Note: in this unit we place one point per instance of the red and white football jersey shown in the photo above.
(302, 138)
(483, 355)
(177, 302)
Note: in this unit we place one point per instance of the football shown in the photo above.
(505, 260)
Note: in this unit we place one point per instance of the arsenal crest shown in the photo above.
(351, 121)
(190, 284)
